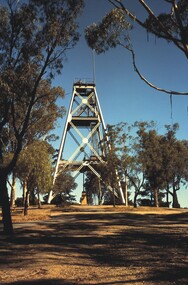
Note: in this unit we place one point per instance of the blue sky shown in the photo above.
(122, 94)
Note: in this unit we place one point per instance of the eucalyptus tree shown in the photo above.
(163, 161)
(171, 25)
(63, 189)
(43, 121)
(92, 186)
(34, 169)
(120, 136)
(127, 149)
(136, 177)
(34, 38)
(175, 165)
(99, 186)
(151, 159)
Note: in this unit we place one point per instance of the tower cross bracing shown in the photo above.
(84, 139)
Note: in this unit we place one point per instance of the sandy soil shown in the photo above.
(96, 245)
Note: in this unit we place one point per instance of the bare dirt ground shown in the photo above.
(96, 245)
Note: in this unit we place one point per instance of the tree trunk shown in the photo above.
(13, 191)
(99, 192)
(175, 203)
(114, 199)
(26, 205)
(135, 199)
(126, 191)
(156, 198)
(24, 191)
(39, 202)
(167, 196)
(32, 197)
(4, 200)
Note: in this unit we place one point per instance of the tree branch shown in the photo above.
(183, 31)
(166, 36)
(170, 92)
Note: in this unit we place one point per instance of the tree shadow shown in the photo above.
(43, 282)
(156, 242)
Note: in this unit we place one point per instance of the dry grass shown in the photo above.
(48, 211)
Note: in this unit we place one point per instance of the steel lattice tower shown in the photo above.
(86, 132)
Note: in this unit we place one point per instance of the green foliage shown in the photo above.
(162, 160)
(171, 26)
(63, 188)
(91, 186)
(114, 28)
(34, 36)
(94, 187)
(116, 161)
(44, 113)
(155, 164)
(19, 202)
(34, 166)
(108, 33)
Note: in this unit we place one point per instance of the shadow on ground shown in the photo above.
(43, 282)
(155, 244)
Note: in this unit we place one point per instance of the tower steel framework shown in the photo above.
(84, 138)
